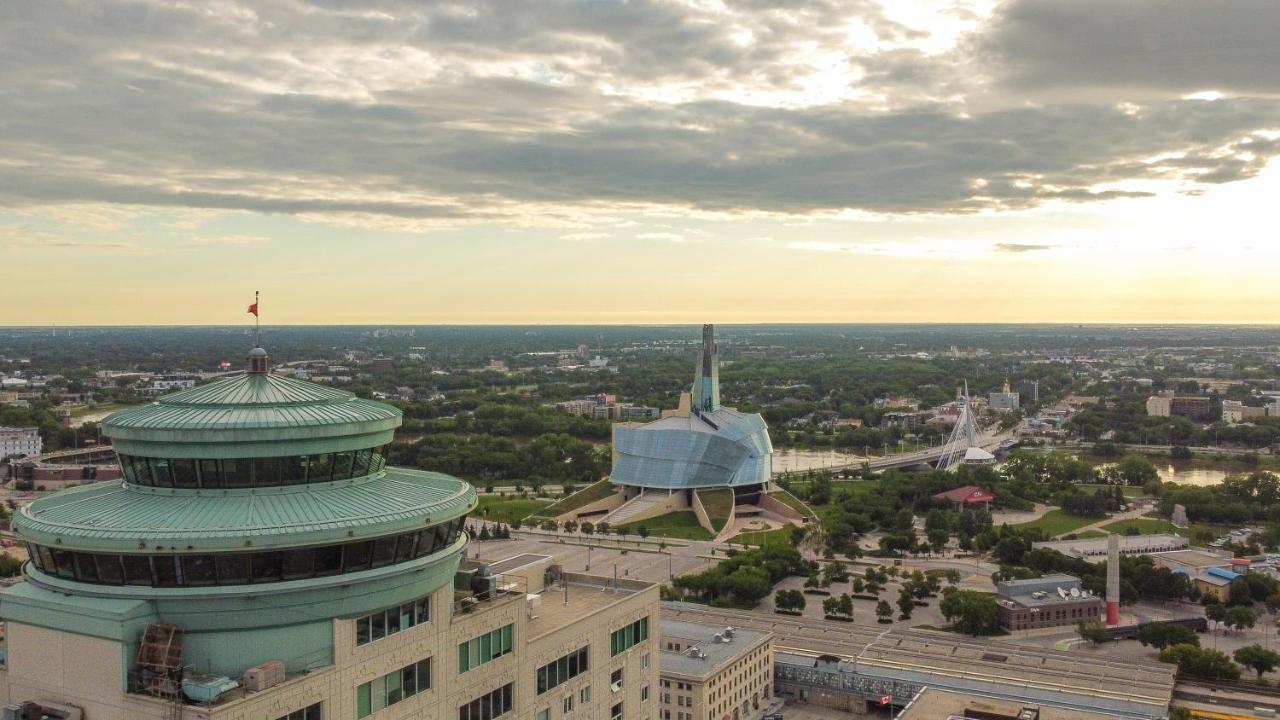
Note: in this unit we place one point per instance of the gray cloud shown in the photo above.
(446, 112)
(1020, 247)
(1181, 45)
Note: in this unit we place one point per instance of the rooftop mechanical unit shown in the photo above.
(261, 677)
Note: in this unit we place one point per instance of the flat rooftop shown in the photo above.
(711, 655)
(578, 597)
(1191, 559)
(1095, 549)
(899, 653)
(935, 704)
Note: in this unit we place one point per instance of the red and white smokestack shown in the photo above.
(1113, 579)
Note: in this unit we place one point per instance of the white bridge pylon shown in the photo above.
(962, 447)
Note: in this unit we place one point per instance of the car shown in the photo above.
(773, 716)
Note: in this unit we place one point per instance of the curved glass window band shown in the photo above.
(251, 472)
(250, 568)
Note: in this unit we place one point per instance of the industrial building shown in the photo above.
(1095, 549)
(259, 561)
(1216, 581)
(934, 704)
(1049, 601)
(710, 671)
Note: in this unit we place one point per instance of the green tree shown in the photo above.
(1257, 658)
(846, 605)
(1135, 470)
(969, 611)
(906, 603)
(642, 531)
(1239, 617)
(1201, 662)
(1217, 612)
(830, 607)
(883, 611)
(1095, 631)
(1161, 635)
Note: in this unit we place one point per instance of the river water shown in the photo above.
(1189, 473)
(793, 460)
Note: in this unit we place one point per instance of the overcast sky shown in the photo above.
(642, 161)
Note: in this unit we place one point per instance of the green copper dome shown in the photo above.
(275, 415)
(253, 511)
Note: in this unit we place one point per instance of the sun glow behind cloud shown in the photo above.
(906, 160)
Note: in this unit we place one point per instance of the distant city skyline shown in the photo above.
(1064, 161)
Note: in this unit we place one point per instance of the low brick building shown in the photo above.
(1049, 601)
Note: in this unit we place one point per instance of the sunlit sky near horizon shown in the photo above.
(602, 161)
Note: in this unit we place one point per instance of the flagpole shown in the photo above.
(257, 322)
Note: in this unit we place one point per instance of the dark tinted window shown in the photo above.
(160, 474)
(137, 569)
(199, 570)
(267, 566)
(266, 472)
(184, 473)
(210, 474)
(232, 569)
(235, 568)
(237, 473)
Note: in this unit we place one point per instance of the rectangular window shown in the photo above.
(562, 670)
(485, 648)
(210, 475)
(364, 704)
(266, 472)
(615, 713)
(628, 636)
(237, 473)
(232, 569)
(615, 680)
(584, 695)
(488, 706)
(394, 687)
(160, 472)
(311, 712)
(184, 473)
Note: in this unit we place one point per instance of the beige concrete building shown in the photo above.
(541, 655)
(711, 672)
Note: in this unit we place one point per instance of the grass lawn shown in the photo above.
(682, 525)
(1056, 522)
(718, 504)
(1091, 535)
(794, 502)
(506, 509)
(1145, 526)
(1128, 490)
(585, 496)
(778, 536)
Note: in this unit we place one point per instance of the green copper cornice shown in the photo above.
(110, 516)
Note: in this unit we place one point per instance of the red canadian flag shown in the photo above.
(254, 309)
(886, 700)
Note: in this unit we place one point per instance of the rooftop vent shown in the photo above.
(696, 653)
